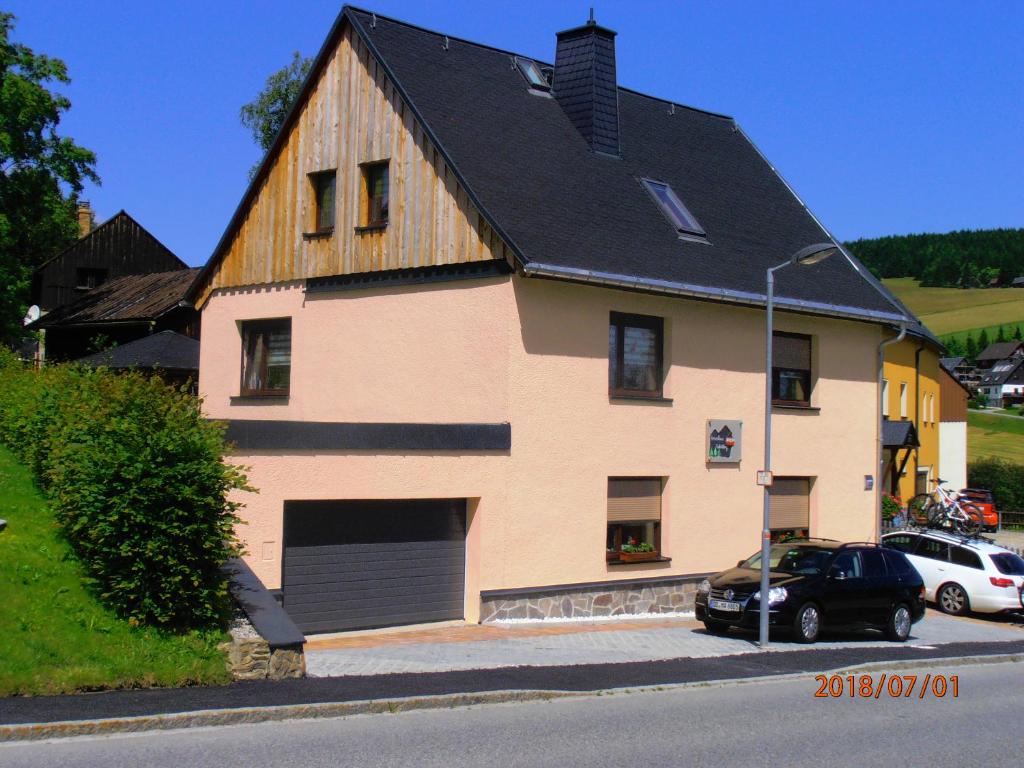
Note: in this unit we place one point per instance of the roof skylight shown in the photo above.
(534, 75)
(673, 208)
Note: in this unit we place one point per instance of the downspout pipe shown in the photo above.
(917, 409)
(880, 442)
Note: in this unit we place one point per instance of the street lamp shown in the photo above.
(812, 254)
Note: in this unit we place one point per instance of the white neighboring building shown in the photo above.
(1003, 384)
(953, 398)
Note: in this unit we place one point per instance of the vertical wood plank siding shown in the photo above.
(354, 115)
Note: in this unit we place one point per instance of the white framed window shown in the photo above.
(885, 397)
(903, 399)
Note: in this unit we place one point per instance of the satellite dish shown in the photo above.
(32, 315)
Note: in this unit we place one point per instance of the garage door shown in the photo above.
(363, 564)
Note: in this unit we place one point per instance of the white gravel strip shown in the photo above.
(598, 619)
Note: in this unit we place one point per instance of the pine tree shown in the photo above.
(972, 347)
(983, 341)
(1001, 337)
(1017, 335)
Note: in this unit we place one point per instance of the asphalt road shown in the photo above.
(765, 723)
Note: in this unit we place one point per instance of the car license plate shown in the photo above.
(724, 605)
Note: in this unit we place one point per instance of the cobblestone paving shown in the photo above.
(526, 645)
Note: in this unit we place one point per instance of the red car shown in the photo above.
(984, 501)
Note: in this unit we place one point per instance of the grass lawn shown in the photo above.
(997, 437)
(54, 636)
(953, 310)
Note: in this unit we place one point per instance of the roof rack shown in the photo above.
(860, 544)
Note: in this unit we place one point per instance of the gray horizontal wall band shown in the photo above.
(262, 608)
(668, 287)
(260, 434)
(412, 276)
(650, 581)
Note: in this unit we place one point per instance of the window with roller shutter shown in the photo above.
(634, 513)
(790, 507)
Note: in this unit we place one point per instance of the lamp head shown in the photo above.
(812, 254)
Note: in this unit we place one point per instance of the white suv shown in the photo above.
(962, 574)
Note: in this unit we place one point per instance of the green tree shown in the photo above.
(955, 346)
(1001, 336)
(265, 115)
(1017, 335)
(41, 172)
(983, 341)
(972, 347)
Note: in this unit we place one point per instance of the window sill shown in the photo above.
(372, 228)
(659, 559)
(657, 400)
(796, 407)
(258, 400)
(318, 235)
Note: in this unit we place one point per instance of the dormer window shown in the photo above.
(534, 74)
(672, 207)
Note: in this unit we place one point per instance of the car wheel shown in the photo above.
(807, 623)
(716, 627)
(952, 599)
(898, 628)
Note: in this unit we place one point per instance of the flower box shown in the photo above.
(637, 557)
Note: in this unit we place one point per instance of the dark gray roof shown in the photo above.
(1000, 350)
(166, 350)
(951, 363)
(1013, 368)
(586, 215)
(899, 434)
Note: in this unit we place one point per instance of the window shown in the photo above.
(903, 399)
(965, 557)
(87, 278)
(634, 514)
(1009, 563)
(874, 565)
(898, 563)
(932, 549)
(931, 408)
(791, 369)
(885, 397)
(324, 186)
(635, 355)
(534, 74)
(375, 191)
(266, 357)
(672, 207)
(846, 566)
(904, 542)
(789, 507)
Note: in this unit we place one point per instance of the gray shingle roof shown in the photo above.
(167, 350)
(899, 434)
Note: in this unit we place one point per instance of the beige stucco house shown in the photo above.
(476, 319)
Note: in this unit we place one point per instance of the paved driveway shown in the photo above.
(464, 647)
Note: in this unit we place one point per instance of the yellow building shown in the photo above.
(910, 407)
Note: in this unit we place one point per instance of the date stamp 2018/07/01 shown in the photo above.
(891, 685)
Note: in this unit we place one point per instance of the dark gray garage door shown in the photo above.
(362, 564)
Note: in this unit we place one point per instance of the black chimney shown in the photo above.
(584, 84)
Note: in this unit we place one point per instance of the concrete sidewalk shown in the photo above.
(543, 644)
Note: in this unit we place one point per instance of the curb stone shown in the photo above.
(253, 715)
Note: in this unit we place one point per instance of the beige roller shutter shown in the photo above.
(634, 499)
(790, 502)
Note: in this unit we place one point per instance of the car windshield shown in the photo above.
(787, 558)
(1009, 563)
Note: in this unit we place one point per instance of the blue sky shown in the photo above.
(886, 118)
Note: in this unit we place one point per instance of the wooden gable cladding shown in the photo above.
(354, 116)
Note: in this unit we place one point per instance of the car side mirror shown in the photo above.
(837, 576)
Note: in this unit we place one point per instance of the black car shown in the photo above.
(817, 583)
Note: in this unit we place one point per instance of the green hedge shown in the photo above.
(136, 478)
(1004, 478)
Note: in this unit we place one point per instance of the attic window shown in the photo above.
(534, 74)
(673, 207)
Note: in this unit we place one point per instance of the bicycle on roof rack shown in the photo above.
(942, 509)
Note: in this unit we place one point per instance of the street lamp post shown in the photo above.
(812, 254)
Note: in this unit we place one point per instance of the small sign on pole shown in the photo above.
(764, 477)
(869, 482)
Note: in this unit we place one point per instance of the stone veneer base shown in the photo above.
(586, 601)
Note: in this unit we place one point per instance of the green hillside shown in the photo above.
(964, 259)
(952, 312)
